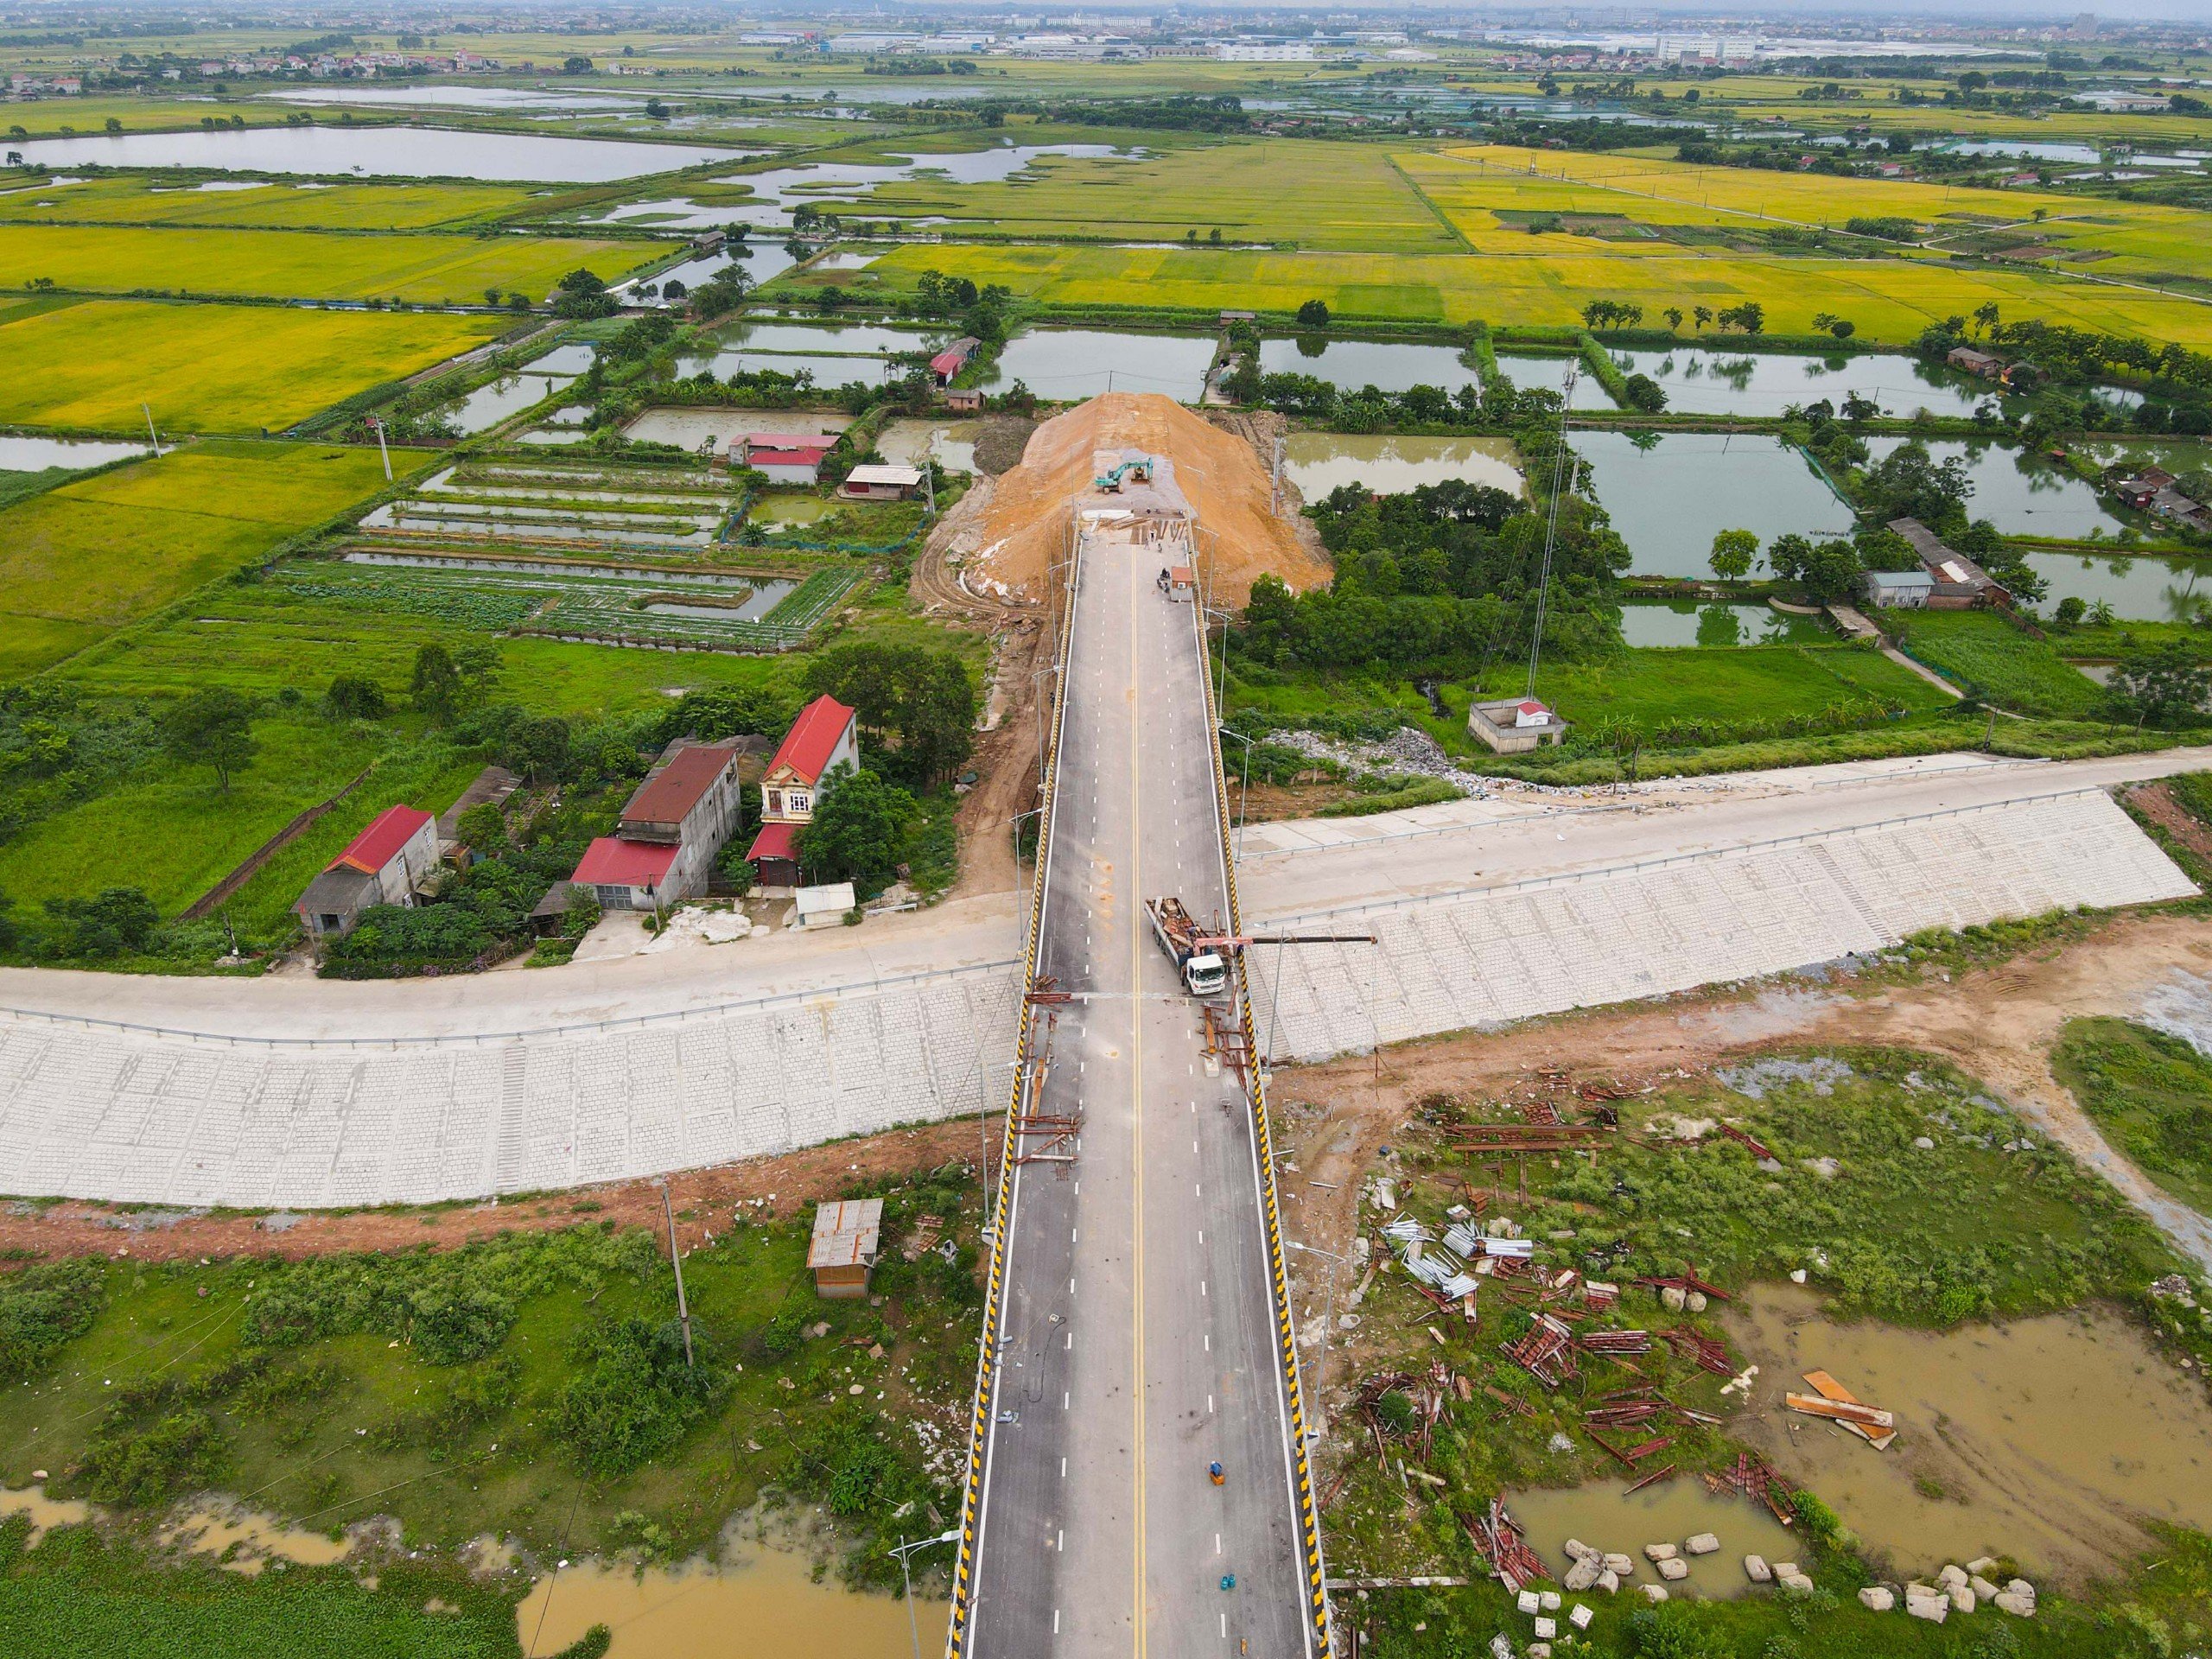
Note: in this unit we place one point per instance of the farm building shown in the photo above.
(493, 786)
(383, 865)
(953, 358)
(1957, 583)
(783, 457)
(674, 822)
(848, 1233)
(2141, 488)
(824, 736)
(881, 483)
(1514, 725)
(1896, 590)
(1976, 362)
(963, 399)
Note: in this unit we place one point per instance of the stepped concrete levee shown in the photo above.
(1447, 959)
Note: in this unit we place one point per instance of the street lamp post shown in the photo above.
(1243, 786)
(904, 1550)
(1328, 1310)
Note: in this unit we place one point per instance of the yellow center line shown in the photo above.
(1136, 1098)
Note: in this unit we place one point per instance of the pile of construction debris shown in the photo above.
(1956, 1590)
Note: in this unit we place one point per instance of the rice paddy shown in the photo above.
(300, 265)
(272, 204)
(104, 551)
(210, 368)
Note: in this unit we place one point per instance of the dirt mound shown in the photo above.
(1026, 523)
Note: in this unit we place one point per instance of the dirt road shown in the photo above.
(1998, 1023)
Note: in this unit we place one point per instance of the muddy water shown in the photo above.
(1610, 1517)
(2046, 1439)
(1320, 461)
(769, 1603)
(200, 1532)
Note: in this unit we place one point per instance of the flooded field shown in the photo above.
(2047, 1440)
(23, 455)
(768, 1603)
(905, 441)
(244, 1541)
(379, 152)
(690, 428)
(497, 400)
(1068, 365)
(1318, 462)
(1677, 623)
(2021, 494)
(1668, 498)
(1611, 1518)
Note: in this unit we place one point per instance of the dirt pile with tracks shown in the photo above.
(1023, 526)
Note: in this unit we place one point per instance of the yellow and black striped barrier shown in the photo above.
(1309, 1514)
(964, 1573)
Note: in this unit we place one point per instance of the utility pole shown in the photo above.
(675, 1260)
(155, 438)
(904, 1550)
(377, 422)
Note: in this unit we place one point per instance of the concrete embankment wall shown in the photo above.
(1450, 961)
(100, 1110)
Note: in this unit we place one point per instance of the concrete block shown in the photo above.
(1705, 1544)
(1672, 1297)
(1577, 1550)
(1796, 1584)
(1951, 1576)
(1660, 1552)
(1540, 1650)
(1756, 1570)
(1784, 1569)
(2018, 1606)
(2020, 1587)
(1878, 1597)
(1583, 1573)
(1982, 1588)
(1609, 1581)
(1653, 1592)
(1934, 1609)
(1982, 1565)
(1674, 1569)
(1501, 1646)
(1527, 1601)
(1694, 1301)
(1617, 1563)
(1547, 1629)
(1580, 1616)
(1548, 1600)
(1962, 1599)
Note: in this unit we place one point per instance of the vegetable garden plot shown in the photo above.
(723, 612)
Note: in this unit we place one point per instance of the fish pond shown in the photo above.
(1723, 382)
(2019, 492)
(1318, 462)
(1668, 495)
(1672, 624)
(1069, 365)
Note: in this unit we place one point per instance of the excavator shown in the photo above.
(1135, 470)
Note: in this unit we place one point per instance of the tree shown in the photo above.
(352, 696)
(483, 828)
(582, 294)
(1985, 317)
(1750, 316)
(1313, 315)
(1701, 316)
(114, 921)
(1641, 392)
(1674, 315)
(1826, 570)
(436, 686)
(859, 828)
(2164, 686)
(213, 727)
(917, 705)
(537, 748)
(1734, 552)
(2071, 610)
(576, 66)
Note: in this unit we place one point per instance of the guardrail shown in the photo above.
(479, 1039)
(960, 1630)
(1309, 1512)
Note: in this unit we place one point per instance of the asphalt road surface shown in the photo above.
(1138, 1323)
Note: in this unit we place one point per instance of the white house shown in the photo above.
(825, 736)
(383, 865)
(664, 847)
(783, 457)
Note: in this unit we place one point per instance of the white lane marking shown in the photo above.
(1209, 1405)
(1071, 1341)
(1224, 1627)
(1072, 1233)
(1199, 1188)
(1194, 1149)
(1064, 1475)
(1202, 1287)
(1209, 1342)
(1060, 1540)
(1056, 1621)
(1071, 1287)
(1202, 1235)
(1217, 1543)
(1063, 1403)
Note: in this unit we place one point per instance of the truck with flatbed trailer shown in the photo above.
(1203, 970)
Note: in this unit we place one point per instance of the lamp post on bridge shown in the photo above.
(902, 1552)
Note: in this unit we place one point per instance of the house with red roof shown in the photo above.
(826, 735)
(663, 846)
(383, 865)
(953, 358)
(783, 457)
